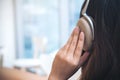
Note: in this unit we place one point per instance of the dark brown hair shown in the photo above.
(104, 60)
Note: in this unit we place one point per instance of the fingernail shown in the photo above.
(76, 29)
(81, 36)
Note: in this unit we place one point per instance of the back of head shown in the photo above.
(104, 61)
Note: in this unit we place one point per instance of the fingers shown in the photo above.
(67, 46)
(74, 41)
(69, 41)
(79, 47)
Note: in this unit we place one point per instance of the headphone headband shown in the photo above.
(85, 7)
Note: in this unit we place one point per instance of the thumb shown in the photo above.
(84, 58)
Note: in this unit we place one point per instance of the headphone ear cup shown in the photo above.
(84, 26)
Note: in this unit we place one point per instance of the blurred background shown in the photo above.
(32, 31)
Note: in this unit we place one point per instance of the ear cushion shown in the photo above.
(85, 27)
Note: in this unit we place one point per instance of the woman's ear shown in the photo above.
(84, 58)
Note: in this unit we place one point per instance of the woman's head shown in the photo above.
(103, 63)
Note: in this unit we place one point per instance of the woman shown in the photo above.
(102, 62)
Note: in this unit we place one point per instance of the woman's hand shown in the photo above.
(68, 59)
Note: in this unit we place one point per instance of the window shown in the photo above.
(44, 22)
(74, 12)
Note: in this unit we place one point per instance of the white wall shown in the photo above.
(64, 21)
(7, 31)
(1, 43)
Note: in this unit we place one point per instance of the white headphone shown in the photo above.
(85, 24)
